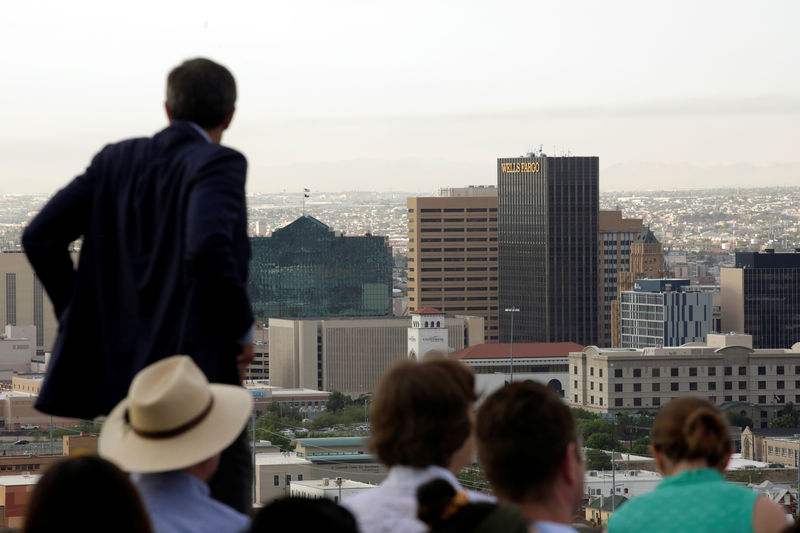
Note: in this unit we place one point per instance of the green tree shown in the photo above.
(589, 427)
(597, 460)
(600, 441)
(788, 417)
(337, 401)
(738, 419)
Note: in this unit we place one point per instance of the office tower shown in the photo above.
(725, 369)
(616, 236)
(306, 270)
(664, 312)
(547, 246)
(23, 300)
(646, 262)
(452, 254)
(760, 296)
(349, 354)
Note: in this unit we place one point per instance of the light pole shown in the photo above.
(513, 309)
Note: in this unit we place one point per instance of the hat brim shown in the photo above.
(134, 453)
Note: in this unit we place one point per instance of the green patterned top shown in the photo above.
(694, 501)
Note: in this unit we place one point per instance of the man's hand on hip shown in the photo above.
(244, 359)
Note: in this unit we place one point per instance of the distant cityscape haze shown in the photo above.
(370, 95)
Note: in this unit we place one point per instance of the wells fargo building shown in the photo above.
(548, 249)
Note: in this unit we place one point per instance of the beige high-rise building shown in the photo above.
(725, 369)
(646, 262)
(349, 355)
(452, 254)
(23, 300)
(617, 235)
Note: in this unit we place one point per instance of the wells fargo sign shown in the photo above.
(520, 166)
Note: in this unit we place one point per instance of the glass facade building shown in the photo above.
(306, 270)
(761, 297)
(548, 248)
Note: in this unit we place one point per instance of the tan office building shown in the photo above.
(617, 234)
(646, 262)
(349, 354)
(23, 300)
(725, 369)
(452, 254)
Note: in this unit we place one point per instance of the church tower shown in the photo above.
(427, 332)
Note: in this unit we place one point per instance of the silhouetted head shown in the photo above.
(70, 485)
(303, 514)
(201, 91)
(527, 440)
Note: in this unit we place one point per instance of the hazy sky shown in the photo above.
(337, 95)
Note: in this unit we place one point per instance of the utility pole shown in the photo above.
(513, 309)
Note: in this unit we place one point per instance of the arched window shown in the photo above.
(426, 323)
(438, 324)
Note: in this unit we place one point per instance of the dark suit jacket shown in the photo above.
(162, 269)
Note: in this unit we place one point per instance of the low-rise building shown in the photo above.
(336, 489)
(544, 362)
(349, 355)
(276, 471)
(598, 510)
(628, 483)
(303, 399)
(771, 445)
(15, 491)
(345, 457)
(725, 369)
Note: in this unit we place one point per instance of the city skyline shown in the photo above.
(427, 96)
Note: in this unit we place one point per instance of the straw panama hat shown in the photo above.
(173, 418)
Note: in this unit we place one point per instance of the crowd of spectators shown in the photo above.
(161, 445)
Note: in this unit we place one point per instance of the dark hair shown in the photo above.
(304, 514)
(522, 432)
(201, 91)
(438, 507)
(420, 412)
(68, 485)
(691, 428)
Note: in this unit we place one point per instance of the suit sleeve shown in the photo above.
(46, 240)
(216, 241)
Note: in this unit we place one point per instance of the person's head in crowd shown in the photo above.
(445, 510)
(690, 432)
(173, 419)
(691, 445)
(306, 514)
(530, 451)
(73, 484)
(170, 432)
(422, 414)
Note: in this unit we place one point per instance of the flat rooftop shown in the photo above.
(522, 350)
(331, 484)
(21, 479)
(280, 458)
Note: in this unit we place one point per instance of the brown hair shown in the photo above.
(69, 484)
(522, 435)
(419, 413)
(692, 428)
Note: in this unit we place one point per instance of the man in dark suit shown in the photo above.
(163, 262)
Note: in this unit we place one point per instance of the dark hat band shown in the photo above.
(171, 432)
